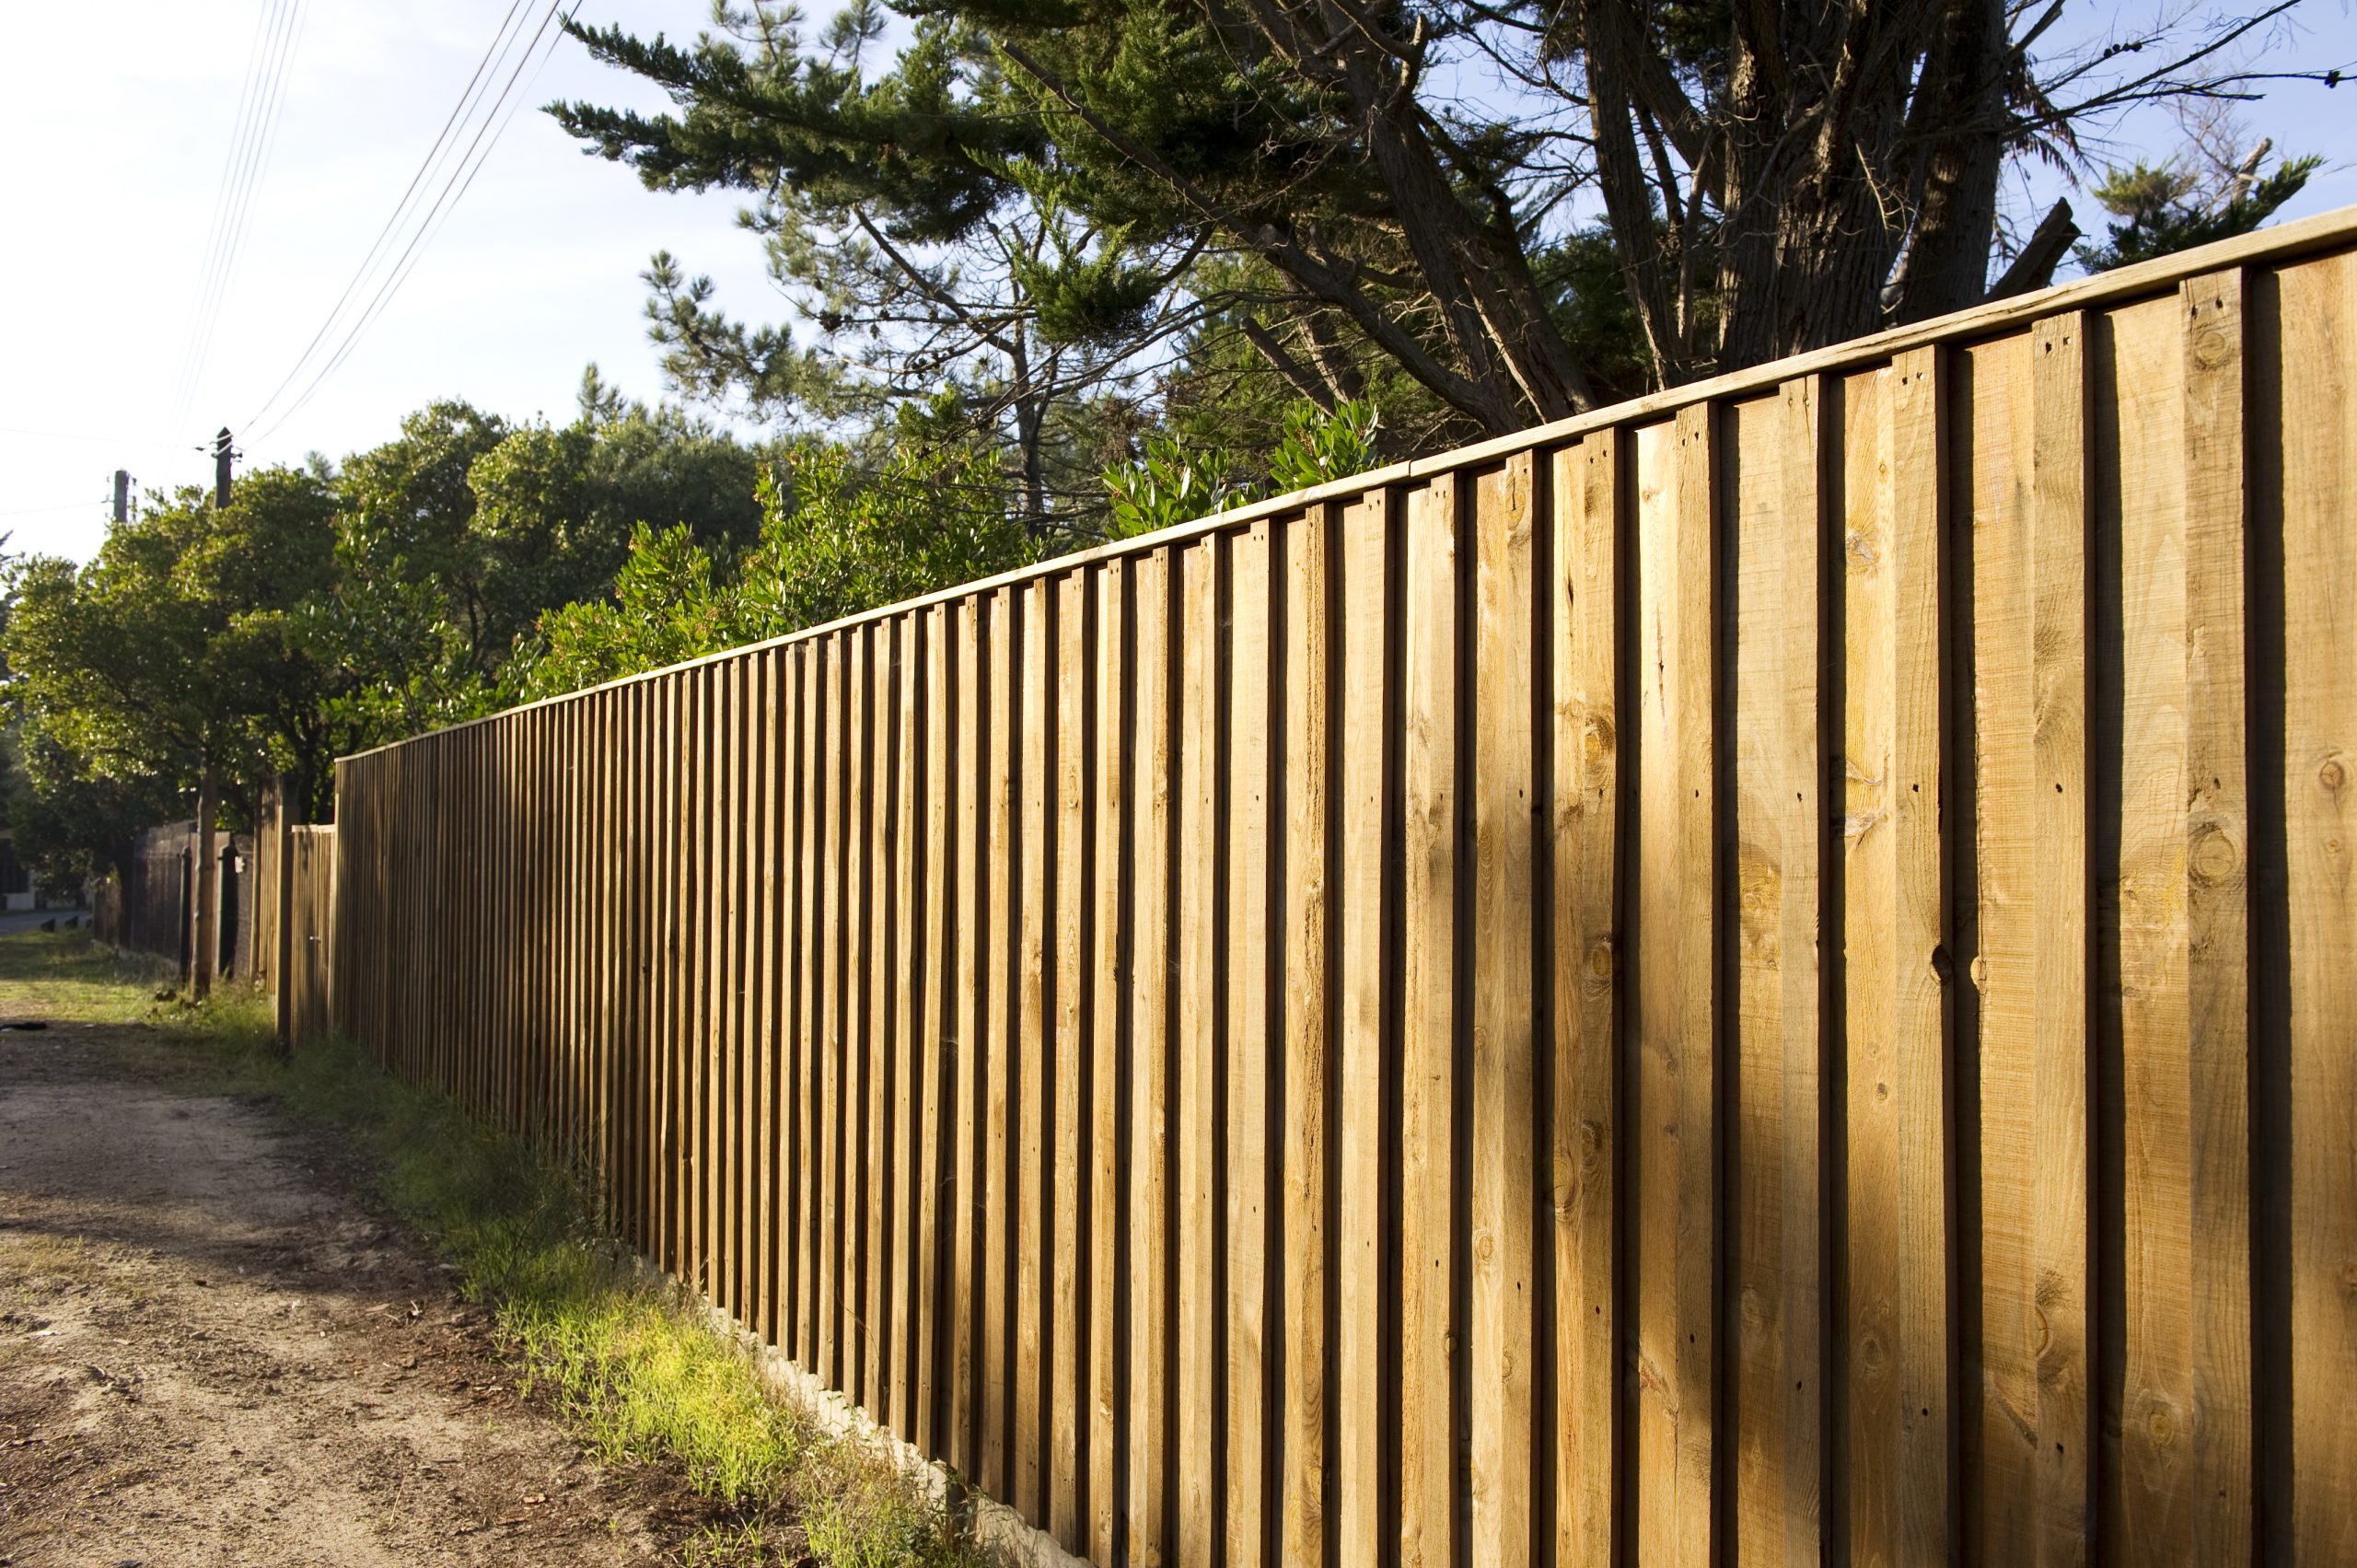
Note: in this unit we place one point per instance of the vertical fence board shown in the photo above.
(1153, 1343)
(1585, 606)
(901, 1288)
(1915, 410)
(707, 825)
(1030, 1143)
(1249, 1055)
(1870, 895)
(1001, 1274)
(2144, 500)
(1067, 1415)
(936, 1038)
(1199, 849)
(766, 1018)
(1364, 1350)
(2319, 403)
(1110, 1052)
(1773, 1244)
(962, 1022)
(1676, 1215)
(1503, 1097)
(2053, 1304)
(877, 1155)
(870, 812)
(1306, 975)
(1428, 1329)
(2217, 830)
(833, 1027)
(809, 927)
(2008, 522)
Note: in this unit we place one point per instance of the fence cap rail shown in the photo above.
(2284, 242)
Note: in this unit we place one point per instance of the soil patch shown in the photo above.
(215, 1350)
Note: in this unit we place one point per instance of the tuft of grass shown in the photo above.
(638, 1371)
(64, 976)
(858, 1512)
(32, 1263)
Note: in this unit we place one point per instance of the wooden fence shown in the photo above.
(304, 984)
(1765, 975)
(151, 908)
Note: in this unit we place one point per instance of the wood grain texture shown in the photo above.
(936, 1037)
(1198, 847)
(827, 986)
(2060, 1523)
(2319, 448)
(1155, 809)
(2140, 495)
(902, 1286)
(1915, 410)
(1870, 997)
(1774, 1245)
(1111, 1047)
(1306, 769)
(1248, 1046)
(2217, 830)
(808, 925)
(773, 860)
(1504, 1090)
(962, 1023)
(1067, 1386)
(1031, 1144)
(1675, 1199)
(1586, 617)
(1428, 1327)
(847, 1099)
(699, 1099)
(999, 1273)
(872, 1207)
(2010, 900)
(1364, 1349)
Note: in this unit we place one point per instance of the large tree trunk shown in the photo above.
(1959, 118)
(1804, 248)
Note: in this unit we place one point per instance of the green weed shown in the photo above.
(64, 976)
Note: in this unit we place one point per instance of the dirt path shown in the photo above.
(211, 1351)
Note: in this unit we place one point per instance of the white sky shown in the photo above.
(534, 274)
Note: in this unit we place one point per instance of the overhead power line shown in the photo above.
(447, 171)
(259, 102)
(433, 155)
(225, 197)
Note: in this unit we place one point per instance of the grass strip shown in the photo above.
(639, 1372)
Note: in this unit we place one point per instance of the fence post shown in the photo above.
(283, 928)
(206, 927)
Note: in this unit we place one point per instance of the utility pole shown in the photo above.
(206, 962)
(122, 497)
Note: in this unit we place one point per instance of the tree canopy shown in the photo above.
(325, 610)
(1512, 212)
